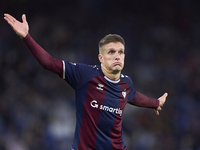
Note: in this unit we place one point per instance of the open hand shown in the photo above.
(21, 28)
(162, 100)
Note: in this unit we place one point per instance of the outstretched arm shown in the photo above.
(44, 58)
(144, 101)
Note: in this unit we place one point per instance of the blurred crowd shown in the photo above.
(162, 55)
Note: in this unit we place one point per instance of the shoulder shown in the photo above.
(87, 67)
(126, 79)
(82, 68)
(80, 65)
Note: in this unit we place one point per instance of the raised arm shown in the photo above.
(44, 58)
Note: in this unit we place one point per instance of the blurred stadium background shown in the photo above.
(162, 55)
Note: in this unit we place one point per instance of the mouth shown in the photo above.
(117, 63)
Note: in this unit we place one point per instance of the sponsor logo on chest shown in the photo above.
(94, 104)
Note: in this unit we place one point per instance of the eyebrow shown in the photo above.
(121, 49)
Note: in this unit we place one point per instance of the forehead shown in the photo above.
(114, 46)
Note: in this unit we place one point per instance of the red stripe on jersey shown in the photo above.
(117, 127)
(88, 132)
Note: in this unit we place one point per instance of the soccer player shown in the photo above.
(101, 91)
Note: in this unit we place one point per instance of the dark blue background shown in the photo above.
(162, 55)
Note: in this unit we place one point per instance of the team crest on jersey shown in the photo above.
(124, 93)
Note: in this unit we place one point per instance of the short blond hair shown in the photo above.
(111, 38)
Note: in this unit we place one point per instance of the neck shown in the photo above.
(114, 75)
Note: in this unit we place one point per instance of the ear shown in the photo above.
(100, 58)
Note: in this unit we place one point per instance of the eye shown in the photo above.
(111, 52)
(121, 52)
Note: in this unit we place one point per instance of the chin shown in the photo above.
(117, 70)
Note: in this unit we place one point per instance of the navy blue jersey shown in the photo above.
(99, 104)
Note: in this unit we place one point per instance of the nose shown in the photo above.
(117, 56)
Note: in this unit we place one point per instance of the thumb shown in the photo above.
(165, 95)
(162, 99)
(24, 18)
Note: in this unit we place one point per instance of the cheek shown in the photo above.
(107, 62)
(123, 58)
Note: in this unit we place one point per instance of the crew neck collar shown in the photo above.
(113, 81)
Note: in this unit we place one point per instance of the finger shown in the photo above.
(11, 18)
(159, 108)
(8, 20)
(157, 112)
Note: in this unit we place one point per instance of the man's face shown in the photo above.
(112, 57)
